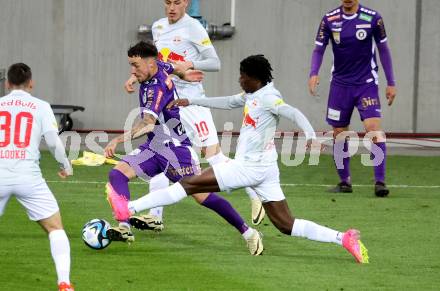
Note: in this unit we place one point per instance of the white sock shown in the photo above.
(216, 159)
(158, 182)
(162, 197)
(313, 231)
(251, 193)
(60, 249)
(248, 233)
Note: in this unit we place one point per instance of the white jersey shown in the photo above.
(24, 119)
(256, 140)
(184, 40)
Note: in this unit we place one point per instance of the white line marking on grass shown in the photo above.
(283, 185)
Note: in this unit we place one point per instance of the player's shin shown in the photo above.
(310, 230)
(162, 197)
(223, 208)
(60, 249)
(119, 182)
(341, 158)
(378, 155)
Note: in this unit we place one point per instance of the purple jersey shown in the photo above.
(154, 96)
(352, 42)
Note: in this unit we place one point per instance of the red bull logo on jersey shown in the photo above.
(19, 103)
(166, 55)
(247, 119)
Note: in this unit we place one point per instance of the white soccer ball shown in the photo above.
(94, 234)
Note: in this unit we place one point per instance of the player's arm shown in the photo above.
(53, 141)
(296, 116)
(380, 36)
(57, 150)
(277, 106)
(140, 128)
(321, 42)
(227, 102)
(209, 61)
(181, 70)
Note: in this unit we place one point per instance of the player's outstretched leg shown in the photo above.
(118, 195)
(279, 213)
(205, 182)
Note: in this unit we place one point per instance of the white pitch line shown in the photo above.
(283, 185)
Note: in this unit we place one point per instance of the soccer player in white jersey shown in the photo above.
(182, 39)
(255, 164)
(24, 119)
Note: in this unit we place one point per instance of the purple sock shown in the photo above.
(223, 208)
(379, 169)
(341, 157)
(119, 183)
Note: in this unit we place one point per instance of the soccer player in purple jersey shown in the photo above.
(255, 163)
(351, 29)
(167, 149)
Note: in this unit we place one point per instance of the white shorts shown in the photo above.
(265, 180)
(199, 125)
(35, 197)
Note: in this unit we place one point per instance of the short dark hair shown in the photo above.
(143, 49)
(19, 74)
(258, 67)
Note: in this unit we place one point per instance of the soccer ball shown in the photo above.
(94, 234)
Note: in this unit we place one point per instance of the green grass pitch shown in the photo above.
(199, 251)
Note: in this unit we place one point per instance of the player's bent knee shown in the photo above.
(201, 197)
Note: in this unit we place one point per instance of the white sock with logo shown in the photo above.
(310, 230)
(60, 250)
(161, 197)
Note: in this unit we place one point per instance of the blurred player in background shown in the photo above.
(255, 163)
(24, 119)
(352, 29)
(167, 149)
(182, 39)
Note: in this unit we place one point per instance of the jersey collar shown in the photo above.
(350, 16)
(19, 92)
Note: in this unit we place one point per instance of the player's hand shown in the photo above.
(178, 103)
(129, 84)
(313, 85)
(63, 174)
(193, 76)
(390, 92)
(110, 149)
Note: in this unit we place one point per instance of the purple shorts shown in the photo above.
(342, 100)
(174, 161)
